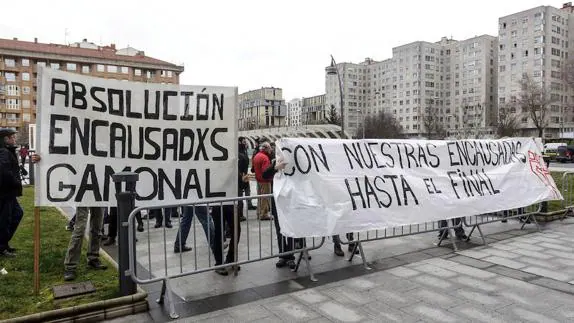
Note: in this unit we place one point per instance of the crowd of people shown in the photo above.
(220, 225)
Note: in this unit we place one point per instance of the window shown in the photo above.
(555, 52)
(25, 76)
(25, 62)
(100, 68)
(71, 67)
(149, 74)
(169, 74)
(502, 68)
(25, 90)
(41, 63)
(26, 104)
(125, 70)
(86, 69)
(112, 69)
(10, 77)
(10, 62)
(55, 66)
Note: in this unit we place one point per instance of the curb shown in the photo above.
(95, 311)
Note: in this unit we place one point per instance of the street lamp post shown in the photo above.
(333, 70)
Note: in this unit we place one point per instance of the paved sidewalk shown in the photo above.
(521, 276)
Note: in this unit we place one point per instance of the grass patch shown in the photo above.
(568, 194)
(17, 287)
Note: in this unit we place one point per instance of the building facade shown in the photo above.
(538, 43)
(448, 85)
(314, 110)
(294, 113)
(262, 108)
(18, 71)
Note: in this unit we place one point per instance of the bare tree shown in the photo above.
(434, 128)
(535, 99)
(381, 126)
(333, 116)
(507, 125)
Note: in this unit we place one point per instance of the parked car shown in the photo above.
(565, 154)
(550, 151)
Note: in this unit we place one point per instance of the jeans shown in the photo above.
(185, 225)
(75, 246)
(10, 216)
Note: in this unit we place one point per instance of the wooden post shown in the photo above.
(36, 250)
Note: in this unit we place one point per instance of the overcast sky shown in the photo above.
(249, 43)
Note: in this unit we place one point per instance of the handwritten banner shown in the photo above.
(175, 137)
(337, 186)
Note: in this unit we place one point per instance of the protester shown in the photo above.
(243, 180)
(24, 151)
(206, 221)
(113, 226)
(337, 245)
(10, 189)
(261, 162)
(458, 229)
(158, 214)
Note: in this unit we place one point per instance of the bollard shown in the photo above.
(126, 204)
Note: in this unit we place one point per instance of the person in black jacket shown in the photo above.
(243, 180)
(10, 188)
(285, 244)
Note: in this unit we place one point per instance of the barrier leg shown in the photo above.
(481, 235)
(452, 238)
(356, 244)
(471, 231)
(162, 294)
(172, 313)
(533, 217)
(298, 263)
(362, 252)
(309, 269)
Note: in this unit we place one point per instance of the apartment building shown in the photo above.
(452, 82)
(262, 108)
(314, 110)
(537, 42)
(18, 71)
(293, 113)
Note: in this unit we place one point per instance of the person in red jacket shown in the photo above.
(261, 162)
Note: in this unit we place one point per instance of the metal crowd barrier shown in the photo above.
(568, 193)
(251, 246)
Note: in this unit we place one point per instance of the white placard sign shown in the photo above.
(181, 140)
(337, 186)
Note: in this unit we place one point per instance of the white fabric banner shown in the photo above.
(334, 186)
(181, 140)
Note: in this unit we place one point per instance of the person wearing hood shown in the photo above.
(10, 189)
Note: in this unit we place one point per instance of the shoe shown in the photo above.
(7, 253)
(252, 207)
(96, 264)
(140, 228)
(157, 225)
(461, 237)
(338, 251)
(504, 221)
(12, 250)
(242, 219)
(69, 227)
(110, 241)
(265, 218)
(183, 249)
(351, 247)
(69, 275)
(281, 263)
(222, 271)
(169, 225)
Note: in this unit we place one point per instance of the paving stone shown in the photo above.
(532, 254)
(489, 300)
(433, 298)
(473, 272)
(475, 283)
(471, 262)
(505, 262)
(441, 283)
(473, 254)
(393, 299)
(434, 270)
(345, 295)
(554, 284)
(512, 273)
(248, 312)
(527, 246)
(565, 262)
(502, 246)
(563, 313)
(403, 271)
(432, 314)
(339, 312)
(478, 314)
(310, 296)
(548, 263)
(560, 254)
(529, 316)
(500, 253)
(547, 273)
(292, 310)
(413, 257)
(385, 313)
(555, 246)
(523, 288)
(359, 284)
